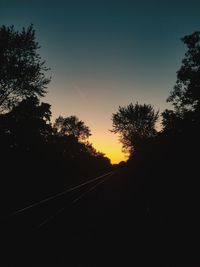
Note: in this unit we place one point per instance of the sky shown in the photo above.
(106, 54)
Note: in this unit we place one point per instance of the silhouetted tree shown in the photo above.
(186, 93)
(171, 120)
(21, 68)
(37, 159)
(27, 125)
(134, 124)
(93, 151)
(185, 96)
(72, 126)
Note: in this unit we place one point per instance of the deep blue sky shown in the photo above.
(103, 54)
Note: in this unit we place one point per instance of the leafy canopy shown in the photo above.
(186, 93)
(26, 125)
(134, 124)
(185, 96)
(72, 126)
(21, 68)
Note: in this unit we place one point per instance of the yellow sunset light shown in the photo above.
(110, 146)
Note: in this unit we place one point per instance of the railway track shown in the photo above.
(41, 213)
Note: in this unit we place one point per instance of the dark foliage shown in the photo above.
(166, 169)
(186, 93)
(21, 68)
(72, 126)
(151, 208)
(134, 124)
(37, 159)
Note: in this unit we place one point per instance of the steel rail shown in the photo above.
(59, 194)
(75, 200)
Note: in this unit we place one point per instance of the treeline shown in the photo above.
(176, 145)
(163, 166)
(38, 157)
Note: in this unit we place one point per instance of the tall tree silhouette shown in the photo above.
(27, 125)
(42, 160)
(72, 126)
(134, 124)
(186, 93)
(21, 68)
(185, 96)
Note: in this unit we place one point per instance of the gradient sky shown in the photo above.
(103, 54)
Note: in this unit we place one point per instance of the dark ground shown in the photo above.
(112, 225)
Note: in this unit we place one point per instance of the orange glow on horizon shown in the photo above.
(110, 146)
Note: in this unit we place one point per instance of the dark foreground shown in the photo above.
(111, 225)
